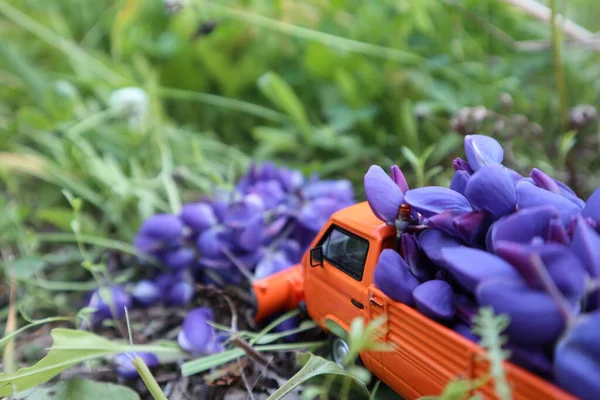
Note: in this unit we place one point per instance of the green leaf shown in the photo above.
(26, 267)
(315, 366)
(78, 388)
(409, 126)
(282, 95)
(71, 347)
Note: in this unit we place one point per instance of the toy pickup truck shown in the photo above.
(334, 281)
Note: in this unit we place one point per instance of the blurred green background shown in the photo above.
(327, 86)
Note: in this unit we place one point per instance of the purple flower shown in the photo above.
(529, 195)
(434, 299)
(399, 179)
(271, 264)
(392, 276)
(241, 212)
(340, 190)
(471, 227)
(491, 189)
(196, 335)
(419, 265)
(313, 215)
(211, 243)
(431, 200)
(561, 264)
(577, 358)
(158, 232)
(462, 165)
(124, 364)
(586, 245)
(108, 303)
(271, 192)
(383, 194)
(544, 181)
(198, 216)
(459, 181)
(482, 150)
(470, 267)
(179, 259)
(251, 236)
(523, 225)
(180, 294)
(432, 242)
(465, 331)
(535, 319)
(557, 232)
(532, 359)
(146, 293)
(592, 206)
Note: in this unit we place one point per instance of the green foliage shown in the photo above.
(315, 366)
(489, 328)
(72, 347)
(78, 388)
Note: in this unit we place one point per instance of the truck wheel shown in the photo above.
(338, 349)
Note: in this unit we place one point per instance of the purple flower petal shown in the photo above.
(163, 227)
(459, 181)
(271, 264)
(472, 227)
(180, 259)
(399, 179)
(418, 264)
(239, 213)
(482, 150)
(313, 215)
(196, 334)
(592, 206)
(251, 235)
(557, 233)
(291, 249)
(532, 359)
(562, 265)
(124, 364)
(491, 189)
(431, 200)
(392, 276)
(462, 165)
(523, 225)
(432, 242)
(180, 294)
(434, 299)
(538, 323)
(211, 242)
(586, 244)
(529, 195)
(109, 303)
(146, 293)
(383, 194)
(544, 181)
(198, 216)
(577, 359)
(470, 267)
(465, 331)
(466, 308)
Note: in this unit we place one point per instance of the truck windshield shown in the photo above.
(345, 251)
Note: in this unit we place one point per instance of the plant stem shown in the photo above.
(148, 379)
(558, 63)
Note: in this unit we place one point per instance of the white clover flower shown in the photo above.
(133, 103)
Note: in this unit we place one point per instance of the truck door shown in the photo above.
(335, 288)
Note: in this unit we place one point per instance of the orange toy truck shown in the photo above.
(334, 281)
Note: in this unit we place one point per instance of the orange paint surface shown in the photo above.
(427, 354)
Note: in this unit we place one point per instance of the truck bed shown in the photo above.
(431, 355)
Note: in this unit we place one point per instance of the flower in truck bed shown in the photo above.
(526, 246)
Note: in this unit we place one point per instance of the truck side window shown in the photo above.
(345, 251)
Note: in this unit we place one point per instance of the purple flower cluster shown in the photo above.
(527, 247)
(261, 227)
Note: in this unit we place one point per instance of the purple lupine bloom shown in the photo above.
(432, 242)
(491, 189)
(179, 294)
(431, 200)
(459, 181)
(271, 264)
(179, 259)
(561, 264)
(462, 165)
(158, 232)
(482, 150)
(196, 335)
(108, 303)
(577, 358)
(435, 299)
(392, 276)
(471, 267)
(383, 194)
(535, 317)
(420, 267)
(198, 216)
(592, 207)
(146, 293)
(529, 195)
(124, 364)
